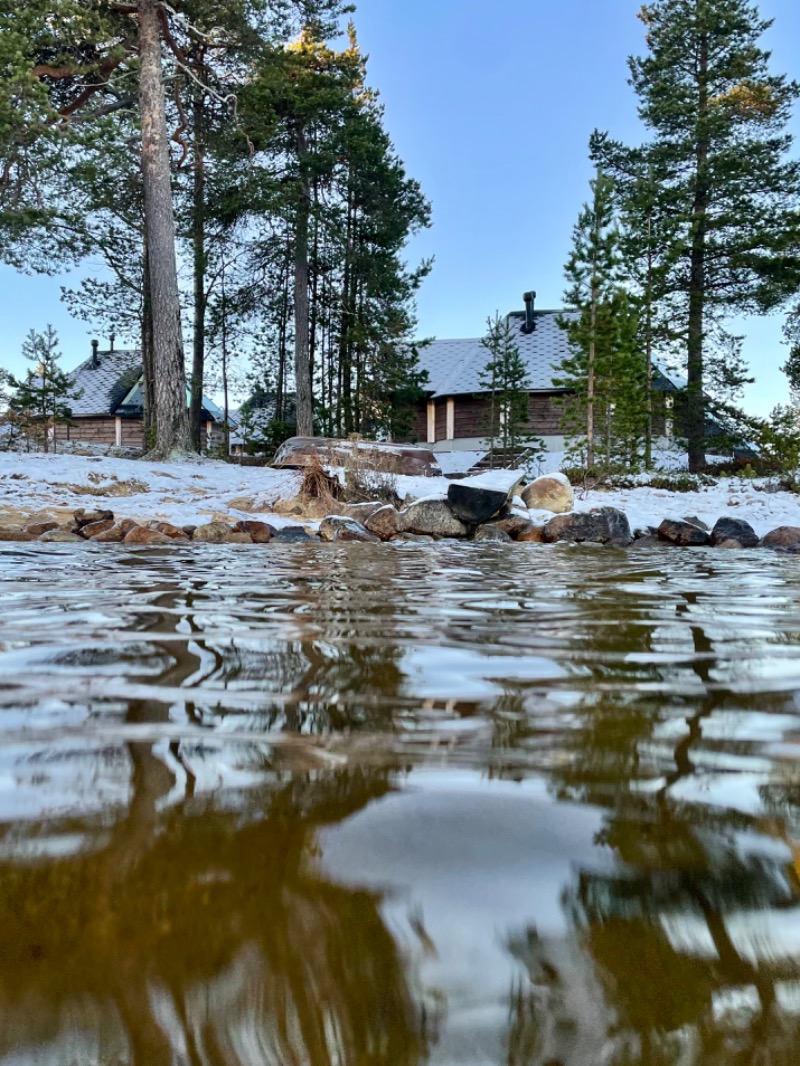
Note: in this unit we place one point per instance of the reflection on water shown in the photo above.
(362, 805)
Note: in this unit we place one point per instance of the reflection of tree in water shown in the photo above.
(665, 930)
(205, 934)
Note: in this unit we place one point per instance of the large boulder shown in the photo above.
(683, 533)
(515, 522)
(384, 523)
(169, 530)
(603, 525)
(142, 535)
(357, 454)
(734, 529)
(432, 516)
(15, 533)
(551, 492)
(785, 537)
(60, 536)
(291, 535)
(220, 533)
(94, 529)
(477, 499)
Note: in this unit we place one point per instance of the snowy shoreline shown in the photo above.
(203, 490)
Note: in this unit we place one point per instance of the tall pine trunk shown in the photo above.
(169, 409)
(695, 404)
(590, 375)
(302, 353)
(148, 371)
(199, 270)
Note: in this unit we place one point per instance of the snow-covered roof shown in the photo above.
(454, 366)
(112, 385)
(104, 386)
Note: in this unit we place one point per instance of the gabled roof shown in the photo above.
(454, 366)
(104, 387)
(114, 387)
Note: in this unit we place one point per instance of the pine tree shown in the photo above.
(717, 122)
(505, 378)
(41, 400)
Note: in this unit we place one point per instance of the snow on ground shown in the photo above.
(195, 491)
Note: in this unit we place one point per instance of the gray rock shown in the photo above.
(785, 537)
(685, 534)
(15, 533)
(215, 533)
(362, 511)
(492, 532)
(60, 536)
(734, 529)
(338, 527)
(291, 535)
(433, 517)
(477, 499)
(605, 525)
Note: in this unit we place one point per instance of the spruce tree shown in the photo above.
(601, 371)
(42, 399)
(716, 118)
(505, 378)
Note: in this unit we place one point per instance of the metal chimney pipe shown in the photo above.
(530, 321)
(112, 338)
(95, 360)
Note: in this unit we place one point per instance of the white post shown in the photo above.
(431, 421)
(669, 403)
(118, 431)
(451, 419)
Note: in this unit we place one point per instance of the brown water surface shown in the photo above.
(378, 805)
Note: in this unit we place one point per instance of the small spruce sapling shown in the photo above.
(42, 399)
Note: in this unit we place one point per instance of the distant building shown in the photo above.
(455, 412)
(110, 404)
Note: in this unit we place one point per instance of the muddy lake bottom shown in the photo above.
(386, 805)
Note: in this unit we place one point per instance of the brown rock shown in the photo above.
(259, 532)
(173, 532)
(551, 492)
(729, 542)
(60, 536)
(534, 535)
(515, 523)
(384, 523)
(14, 533)
(219, 533)
(338, 527)
(684, 534)
(94, 529)
(117, 533)
(37, 528)
(419, 538)
(302, 506)
(604, 525)
(140, 535)
(782, 537)
(85, 518)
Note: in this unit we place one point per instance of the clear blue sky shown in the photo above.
(491, 107)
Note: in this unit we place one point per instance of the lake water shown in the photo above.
(386, 805)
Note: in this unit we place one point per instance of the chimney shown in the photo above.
(95, 360)
(530, 321)
(112, 338)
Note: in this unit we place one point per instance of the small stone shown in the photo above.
(337, 527)
(60, 536)
(259, 532)
(37, 528)
(167, 528)
(515, 523)
(214, 533)
(94, 529)
(14, 533)
(682, 533)
(787, 537)
(291, 535)
(411, 538)
(140, 535)
(384, 523)
(117, 533)
(491, 532)
(85, 518)
(534, 535)
(550, 492)
(734, 529)
(729, 542)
